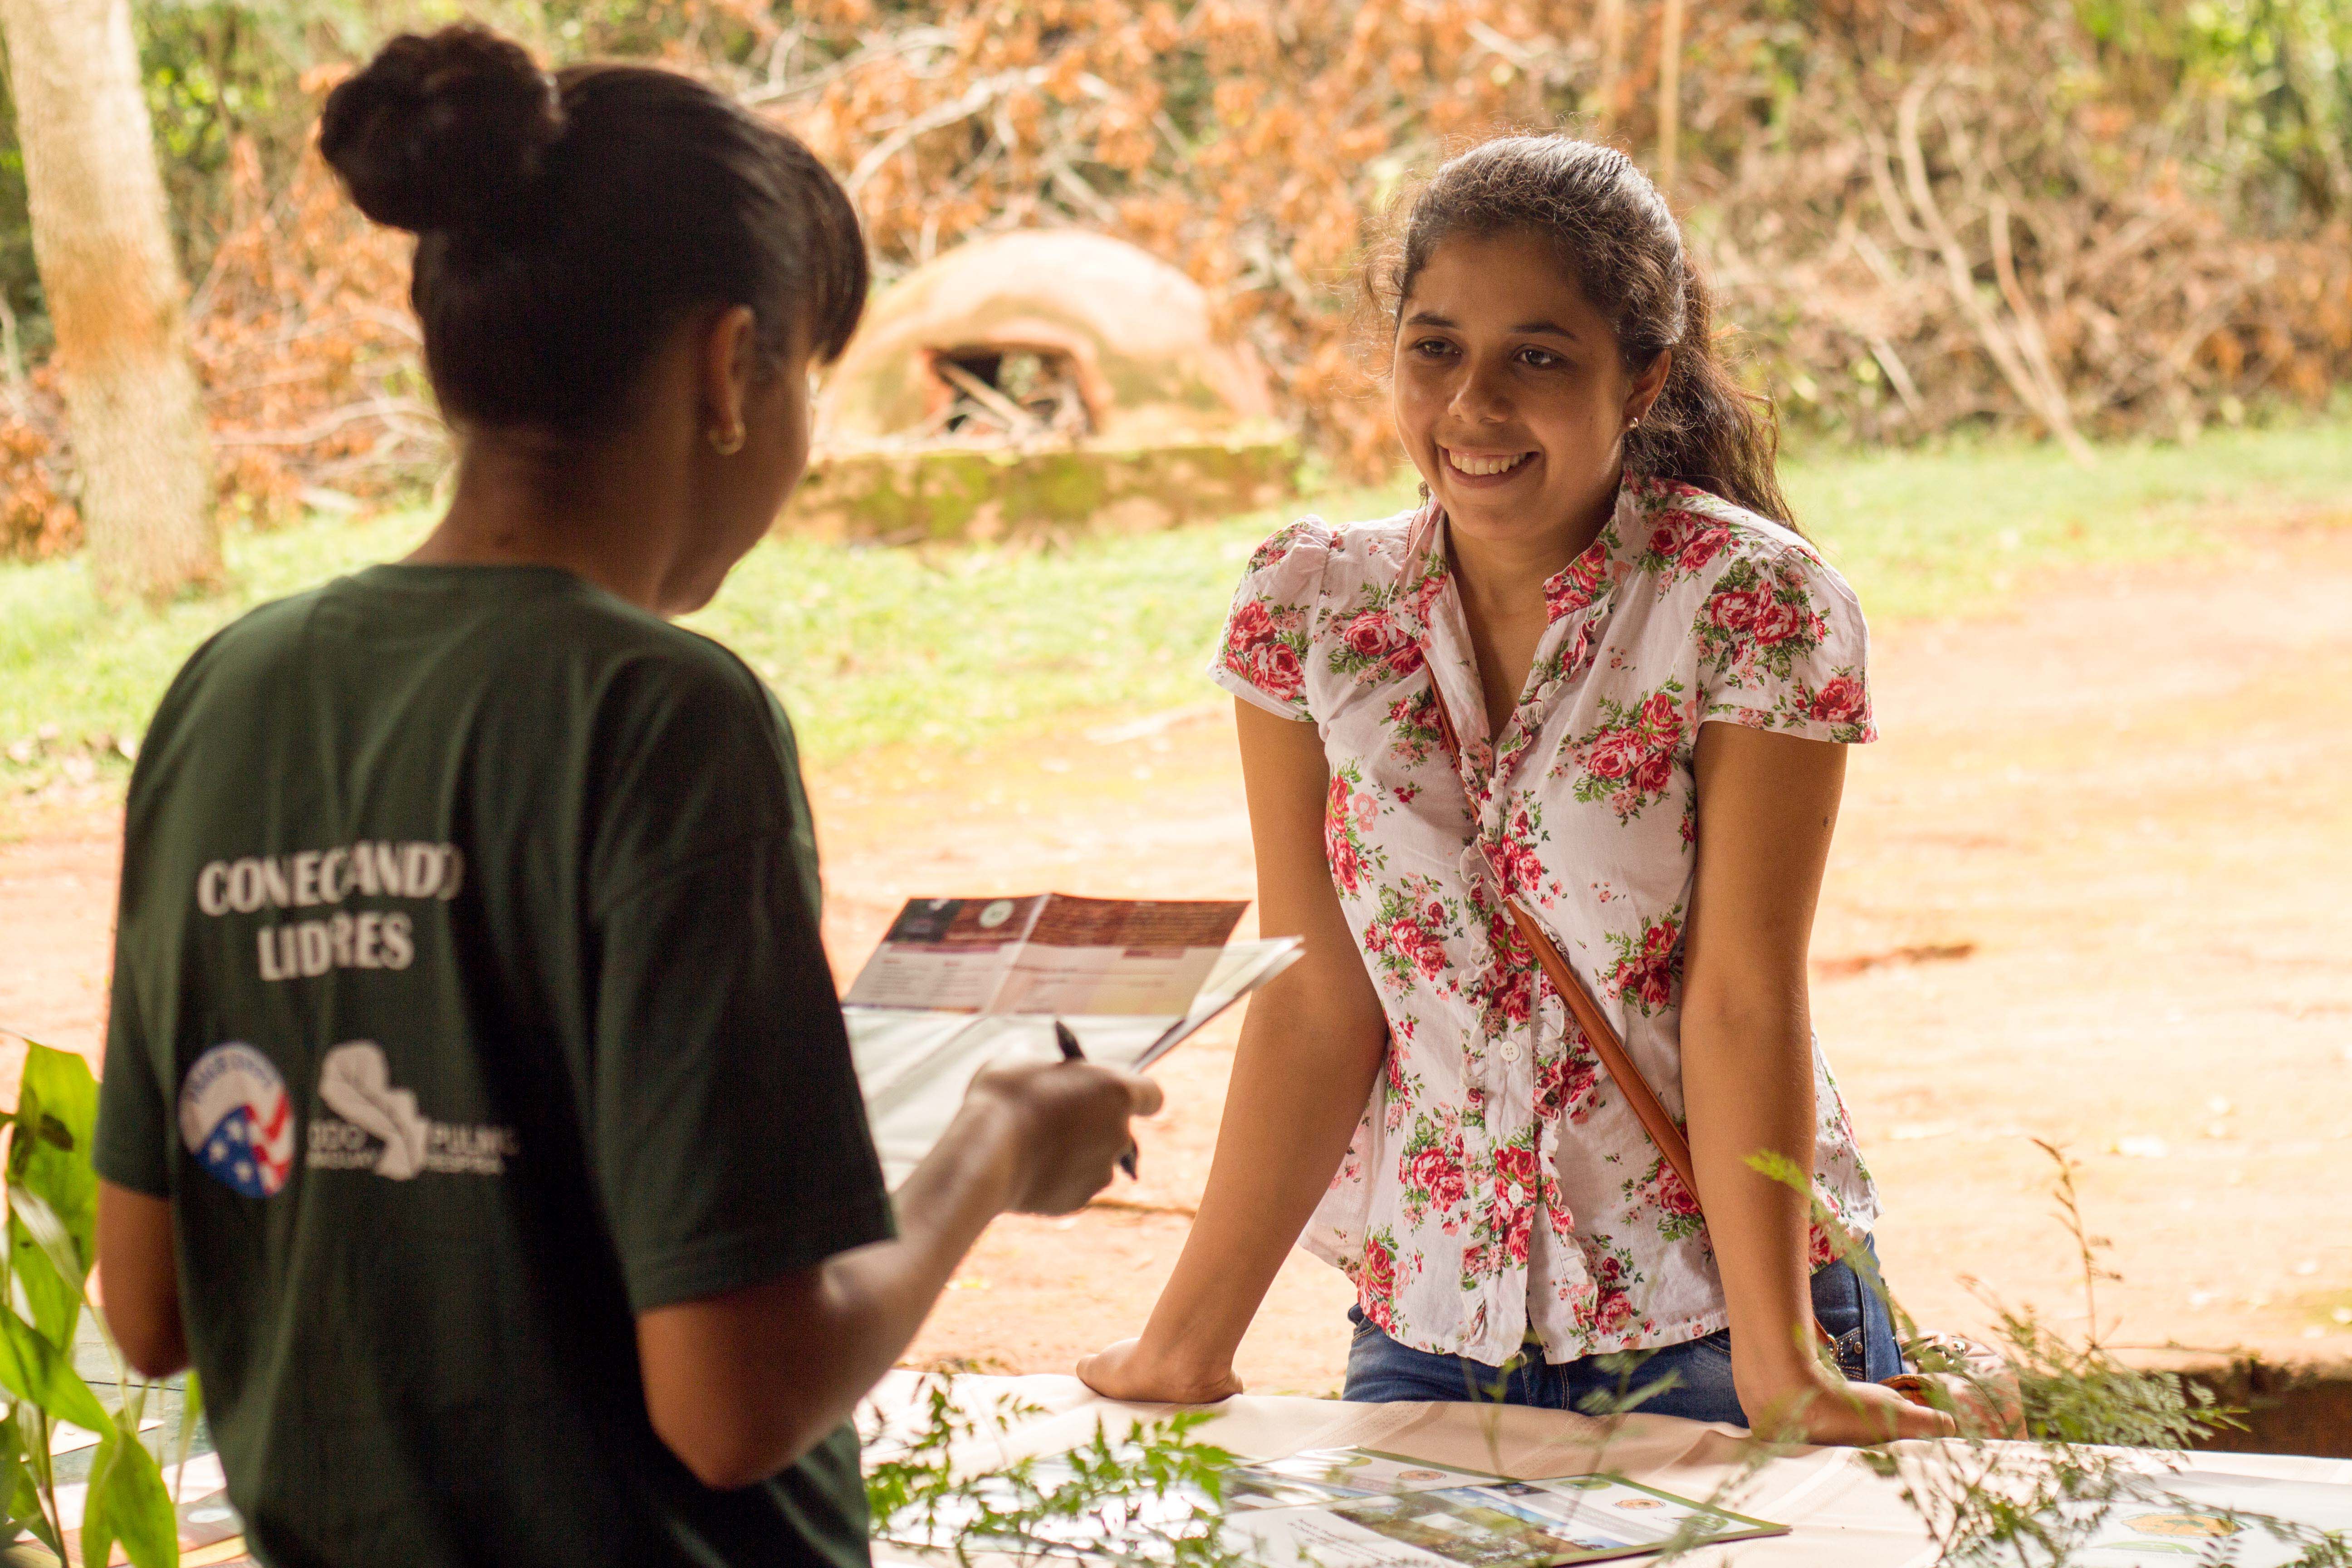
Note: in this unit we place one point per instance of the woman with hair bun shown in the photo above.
(1594, 692)
(477, 1115)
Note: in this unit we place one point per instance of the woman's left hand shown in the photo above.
(1821, 1408)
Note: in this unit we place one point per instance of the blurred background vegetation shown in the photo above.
(2079, 218)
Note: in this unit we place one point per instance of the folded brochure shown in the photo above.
(1358, 1507)
(959, 982)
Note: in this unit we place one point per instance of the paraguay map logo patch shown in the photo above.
(236, 1119)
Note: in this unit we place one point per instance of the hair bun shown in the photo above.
(441, 132)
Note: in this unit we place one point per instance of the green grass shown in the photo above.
(1962, 532)
(949, 647)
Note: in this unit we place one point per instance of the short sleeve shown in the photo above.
(727, 1133)
(1782, 646)
(1262, 656)
(730, 1138)
(134, 1146)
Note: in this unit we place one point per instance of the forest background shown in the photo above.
(2074, 218)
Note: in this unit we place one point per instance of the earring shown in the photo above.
(726, 442)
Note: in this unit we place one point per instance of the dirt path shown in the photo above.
(2091, 889)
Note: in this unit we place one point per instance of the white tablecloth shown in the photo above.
(1840, 1515)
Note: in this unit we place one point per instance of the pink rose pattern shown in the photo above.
(1375, 645)
(1841, 702)
(1759, 618)
(1629, 758)
(1406, 941)
(1684, 544)
(1580, 583)
(1413, 734)
(1497, 1181)
(1648, 970)
(1266, 641)
(1569, 1081)
(1350, 814)
(1660, 1192)
(1265, 644)
(1602, 1308)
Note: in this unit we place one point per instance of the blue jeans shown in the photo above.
(1380, 1370)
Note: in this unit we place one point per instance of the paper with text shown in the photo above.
(959, 982)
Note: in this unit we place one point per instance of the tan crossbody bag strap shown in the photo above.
(1647, 1108)
(1587, 1012)
(1630, 1082)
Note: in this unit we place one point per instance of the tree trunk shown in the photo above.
(1613, 60)
(1670, 95)
(115, 296)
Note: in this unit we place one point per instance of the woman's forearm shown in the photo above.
(1299, 1084)
(1310, 1049)
(1767, 806)
(1747, 1087)
(743, 1384)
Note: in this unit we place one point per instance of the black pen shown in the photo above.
(1070, 1053)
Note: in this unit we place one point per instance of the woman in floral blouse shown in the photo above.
(1650, 685)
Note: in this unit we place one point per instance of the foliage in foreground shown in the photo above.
(2092, 1422)
(1150, 1497)
(44, 1264)
(2091, 1418)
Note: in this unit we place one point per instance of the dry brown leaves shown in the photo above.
(37, 519)
(308, 351)
(1922, 219)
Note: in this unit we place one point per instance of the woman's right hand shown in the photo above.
(1823, 1408)
(1131, 1372)
(1311, 1049)
(1065, 1123)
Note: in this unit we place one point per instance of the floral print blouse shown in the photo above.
(1497, 1182)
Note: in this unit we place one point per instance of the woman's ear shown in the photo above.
(729, 362)
(1647, 386)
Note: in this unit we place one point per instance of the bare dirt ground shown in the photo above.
(2091, 889)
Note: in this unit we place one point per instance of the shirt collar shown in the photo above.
(1588, 580)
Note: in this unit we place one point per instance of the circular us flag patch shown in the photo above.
(236, 1119)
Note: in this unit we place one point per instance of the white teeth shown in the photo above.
(1476, 467)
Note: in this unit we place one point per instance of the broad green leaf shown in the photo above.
(51, 1275)
(25, 1510)
(128, 1503)
(58, 1105)
(191, 1406)
(20, 1493)
(34, 1369)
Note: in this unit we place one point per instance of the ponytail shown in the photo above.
(1705, 429)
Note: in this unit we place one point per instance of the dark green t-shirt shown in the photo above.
(468, 1001)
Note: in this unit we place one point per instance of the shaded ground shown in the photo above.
(2090, 890)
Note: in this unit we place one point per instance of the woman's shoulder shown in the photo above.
(1684, 540)
(1778, 637)
(1283, 608)
(1297, 560)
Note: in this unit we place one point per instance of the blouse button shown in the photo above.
(1510, 1050)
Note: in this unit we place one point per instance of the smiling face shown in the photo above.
(1509, 392)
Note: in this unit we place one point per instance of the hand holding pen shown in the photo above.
(1068, 1041)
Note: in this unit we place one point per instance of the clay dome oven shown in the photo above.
(1039, 379)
